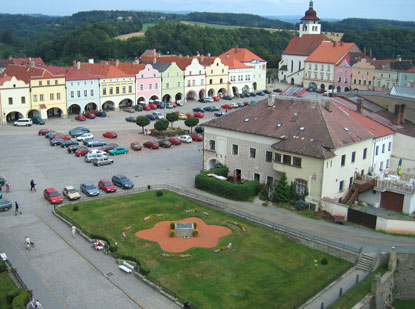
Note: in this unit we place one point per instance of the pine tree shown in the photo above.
(282, 191)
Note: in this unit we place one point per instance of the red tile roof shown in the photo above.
(376, 128)
(303, 127)
(242, 55)
(330, 52)
(128, 68)
(103, 70)
(4, 78)
(305, 45)
(26, 73)
(182, 61)
(233, 63)
(38, 62)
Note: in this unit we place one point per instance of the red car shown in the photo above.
(151, 144)
(90, 115)
(80, 118)
(226, 106)
(153, 106)
(174, 140)
(93, 111)
(43, 131)
(52, 196)
(197, 137)
(108, 147)
(188, 115)
(110, 134)
(56, 135)
(178, 112)
(146, 108)
(81, 151)
(246, 103)
(216, 99)
(65, 137)
(198, 115)
(107, 185)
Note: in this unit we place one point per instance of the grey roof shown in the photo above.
(159, 66)
(403, 92)
(299, 126)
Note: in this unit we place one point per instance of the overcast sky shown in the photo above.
(385, 9)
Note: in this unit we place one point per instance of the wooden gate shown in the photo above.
(391, 201)
(361, 218)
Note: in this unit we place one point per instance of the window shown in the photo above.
(202, 82)
(383, 148)
(339, 79)
(78, 93)
(221, 81)
(387, 163)
(23, 100)
(353, 156)
(210, 81)
(179, 84)
(268, 156)
(167, 85)
(235, 150)
(48, 82)
(124, 89)
(34, 98)
(377, 150)
(277, 157)
(117, 90)
(252, 153)
(343, 160)
(364, 153)
(193, 82)
(297, 161)
(301, 186)
(111, 90)
(141, 87)
(56, 81)
(270, 180)
(341, 186)
(73, 94)
(130, 89)
(257, 177)
(40, 83)
(389, 146)
(156, 86)
(350, 181)
(188, 83)
(150, 87)
(212, 145)
(10, 101)
(286, 159)
(41, 97)
(52, 96)
(85, 93)
(381, 166)
(92, 92)
(104, 91)
(58, 96)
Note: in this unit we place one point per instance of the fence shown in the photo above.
(18, 278)
(223, 207)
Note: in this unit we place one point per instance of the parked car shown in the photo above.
(216, 108)
(52, 196)
(158, 115)
(147, 108)
(48, 135)
(80, 118)
(235, 105)
(151, 144)
(89, 189)
(189, 115)
(208, 99)
(73, 148)
(94, 143)
(164, 143)
(180, 102)
(151, 116)
(55, 135)
(226, 106)
(78, 131)
(118, 150)
(107, 185)
(227, 97)
(90, 115)
(246, 103)
(240, 104)
(71, 193)
(97, 151)
(219, 114)
(208, 108)
(153, 106)
(185, 138)
(199, 110)
(252, 94)
(65, 137)
(197, 137)
(260, 93)
(131, 119)
(216, 99)
(81, 151)
(108, 147)
(5, 204)
(101, 114)
(91, 156)
(37, 120)
(122, 181)
(23, 122)
(136, 146)
(174, 140)
(129, 109)
(84, 136)
(110, 134)
(43, 131)
(199, 129)
(182, 116)
(56, 141)
(67, 143)
(99, 161)
(253, 102)
(245, 95)
(169, 105)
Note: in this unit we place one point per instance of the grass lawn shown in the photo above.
(263, 269)
(6, 286)
(404, 304)
(356, 294)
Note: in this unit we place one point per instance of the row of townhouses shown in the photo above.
(313, 61)
(29, 87)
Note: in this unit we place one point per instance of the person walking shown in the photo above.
(16, 210)
(7, 187)
(27, 242)
(73, 231)
(32, 185)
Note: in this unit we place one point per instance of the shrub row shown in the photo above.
(3, 266)
(21, 300)
(168, 132)
(234, 191)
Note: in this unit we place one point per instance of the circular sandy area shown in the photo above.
(208, 235)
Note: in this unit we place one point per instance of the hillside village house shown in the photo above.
(291, 66)
(240, 75)
(317, 145)
(14, 98)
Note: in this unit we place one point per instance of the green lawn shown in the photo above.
(404, 304)
(6, 286)
(264, 269)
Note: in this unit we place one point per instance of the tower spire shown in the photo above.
(311, 4)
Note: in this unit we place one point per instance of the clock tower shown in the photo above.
(310, 22)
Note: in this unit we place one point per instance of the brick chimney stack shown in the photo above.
(359, 105)
(399, 114)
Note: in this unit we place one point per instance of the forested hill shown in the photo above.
(355, 24)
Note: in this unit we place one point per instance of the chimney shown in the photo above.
(202, 58)
(399, 58)
(402, 114)
(327, 105)
(371, 55)
(78, 65)
(359, 105)
(32, 63)
(209, 55)
(154, 52)
(364, 52)
(180, 56)
(236, 49)
(271, 100)
(228, 56)
(334, 44)
(91, 60)
(397, 115)
(117, 63)
(198, 54)
(154, 60)
(341, 43)
(137, 61)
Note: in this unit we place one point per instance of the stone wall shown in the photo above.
(405, 277)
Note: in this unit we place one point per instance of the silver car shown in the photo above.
(89, 189)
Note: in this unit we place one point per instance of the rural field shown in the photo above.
(262, 269)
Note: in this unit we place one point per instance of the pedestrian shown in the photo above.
(7, 187)
(73, 231)
(27, 242)
(38, 304)
(32, 185)
(16, 211)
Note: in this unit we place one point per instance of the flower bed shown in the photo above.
(241, 226)
(152, 216)
(176, 256)
(197, 211)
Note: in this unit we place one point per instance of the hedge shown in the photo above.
(3, 266)
(21, 300)
(226, 189)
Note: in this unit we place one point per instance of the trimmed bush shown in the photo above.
(172, 233)
(240, 192)
(11, 295)
(75, 208)
(324, 261)
(195, 232)
(195, 224)
(21, 300)
(3, 266)
(172, 225)
(159, 193)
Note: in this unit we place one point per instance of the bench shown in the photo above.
(124, 268)
(128, 265)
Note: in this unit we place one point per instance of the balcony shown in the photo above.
(404, 184)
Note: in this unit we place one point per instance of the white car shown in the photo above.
(97, 151)
(158, 115)
(185, 138)
(90, 156)
(23, 122)
(84, 136)
(179, 102)
(235, 105)
(208, 99)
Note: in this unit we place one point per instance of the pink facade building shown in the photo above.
(148, 81)
(343, 75)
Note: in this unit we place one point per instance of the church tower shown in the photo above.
(310, 22)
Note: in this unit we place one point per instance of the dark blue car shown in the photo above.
(122, 181)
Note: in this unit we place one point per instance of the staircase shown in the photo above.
(356, 188)
(365, 262)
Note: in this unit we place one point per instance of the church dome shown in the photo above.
(310, 14)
